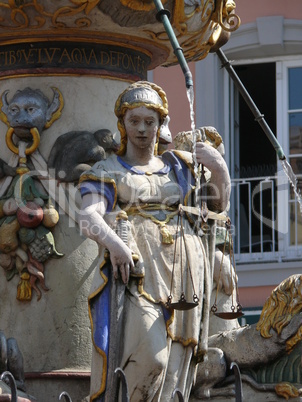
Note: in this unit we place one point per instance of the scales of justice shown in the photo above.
(62, 68)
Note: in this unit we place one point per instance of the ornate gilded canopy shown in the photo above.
(131, 25)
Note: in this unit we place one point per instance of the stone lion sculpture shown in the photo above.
(259, 348)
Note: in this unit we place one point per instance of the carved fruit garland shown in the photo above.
(27, 216)
(26, 240)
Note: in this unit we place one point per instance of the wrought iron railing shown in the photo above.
(8, 377)
(267, 224)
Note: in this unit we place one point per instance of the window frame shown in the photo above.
(283, 113)
(286, 251)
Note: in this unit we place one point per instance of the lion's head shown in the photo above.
(278, 310)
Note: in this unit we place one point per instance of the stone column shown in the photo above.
(86, 52)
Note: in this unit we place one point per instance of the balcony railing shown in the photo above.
(267, 224)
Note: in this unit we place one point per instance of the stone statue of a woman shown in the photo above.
(159, 344)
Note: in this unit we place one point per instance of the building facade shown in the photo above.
(266, 54)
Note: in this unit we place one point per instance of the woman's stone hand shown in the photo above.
(224, 274)
(209, 157)
(121, 260)
(220, 183)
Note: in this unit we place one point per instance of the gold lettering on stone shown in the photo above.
(12, 57)
(77, 56)
(92, 56)
(29, 55)
(65, 55)
(53, 51)
(104, 58)
(74, 56)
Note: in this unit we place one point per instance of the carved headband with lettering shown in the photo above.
(142, 95)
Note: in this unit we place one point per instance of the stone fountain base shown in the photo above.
(249, 395)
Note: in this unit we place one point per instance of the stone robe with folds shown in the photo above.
(159, 344)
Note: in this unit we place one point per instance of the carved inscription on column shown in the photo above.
(72, 58)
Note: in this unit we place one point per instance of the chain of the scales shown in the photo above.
(236, 311)
(182, 303)
(200, 202)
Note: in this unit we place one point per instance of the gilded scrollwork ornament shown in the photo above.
(225, 15)
(36, 14)
(199, 26)
(140, 5)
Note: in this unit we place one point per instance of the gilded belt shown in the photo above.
(141, 210)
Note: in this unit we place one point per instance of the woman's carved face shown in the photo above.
(141, 126)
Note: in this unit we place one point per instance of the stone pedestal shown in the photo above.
(54, 332)
(89, 51)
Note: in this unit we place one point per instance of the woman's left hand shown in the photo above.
(220, 182)
(209, 157)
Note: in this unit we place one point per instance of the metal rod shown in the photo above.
(259, 117)
(121, 375)
(7, 375)
(66, 396)
(238, 383)
(117, 297)
(179, 394)
(163, 16)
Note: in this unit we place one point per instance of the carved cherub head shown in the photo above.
(30, 108)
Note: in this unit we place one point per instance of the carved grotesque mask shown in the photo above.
(30, 108)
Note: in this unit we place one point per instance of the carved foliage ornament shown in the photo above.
(198, 24)
(140, 5)
(20, 12)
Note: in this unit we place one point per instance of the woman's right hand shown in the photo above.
(121, 260)
(91, 218)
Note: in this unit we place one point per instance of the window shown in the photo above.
(264, 208)
(254, 184)
(295, 149)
